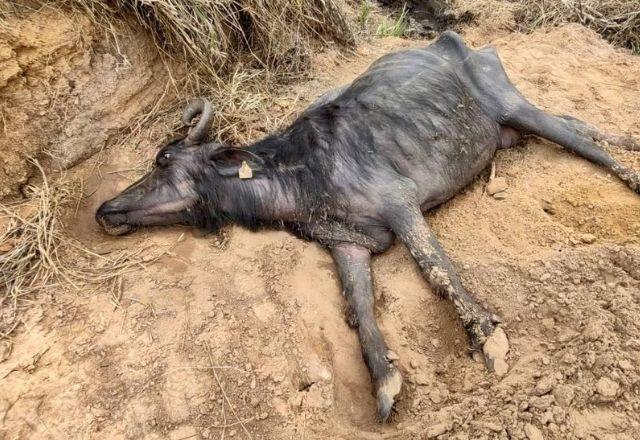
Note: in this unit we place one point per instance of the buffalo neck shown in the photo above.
(257, 201)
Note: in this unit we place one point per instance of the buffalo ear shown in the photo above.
(228, 160)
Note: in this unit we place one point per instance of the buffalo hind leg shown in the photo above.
(586, 129)
(481, 324)
(354, 266)
(578, 137)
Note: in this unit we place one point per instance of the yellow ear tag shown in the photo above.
(245, 171)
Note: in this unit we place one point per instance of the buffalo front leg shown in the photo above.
(353, 263)
(481, 325)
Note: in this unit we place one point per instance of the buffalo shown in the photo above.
(357, 169)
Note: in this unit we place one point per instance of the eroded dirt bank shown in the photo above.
(66, 86)
(262, 313)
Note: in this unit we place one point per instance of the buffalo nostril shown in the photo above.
(103, 210)
(108, 211)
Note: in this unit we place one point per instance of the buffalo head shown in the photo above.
(167, 194)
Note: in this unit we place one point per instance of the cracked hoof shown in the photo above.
(387, 390)
(629, 176)
(495, 349)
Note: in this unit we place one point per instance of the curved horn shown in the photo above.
(202, 107)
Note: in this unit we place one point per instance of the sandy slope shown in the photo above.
(262, 312)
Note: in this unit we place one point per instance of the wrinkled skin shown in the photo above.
(358, 168)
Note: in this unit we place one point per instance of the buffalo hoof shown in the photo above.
(495, 349)
(630, 177)
(388, 387)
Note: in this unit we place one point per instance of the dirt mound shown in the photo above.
(66, 87)
(247, 331)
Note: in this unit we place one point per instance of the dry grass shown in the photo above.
(617, 20)
(37, 255)
(214, 35)
(246, 110)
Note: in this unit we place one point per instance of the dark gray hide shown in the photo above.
(358, 168)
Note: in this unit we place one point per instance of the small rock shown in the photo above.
(500, 196)
(625, 365)
(548, 323)
(564, 337)
(435, 342)
(436, 396)
(477, 357)
(542, 403)
(318, 372)
(413, 364)
(607, 388)
(604, 361)
(593, 331)
(422, 378)
(497, 185)
(544, 386)
(492, 426)
(588, 238)
(392, 355)
(563, 395)
(277, 377)
(532, 432)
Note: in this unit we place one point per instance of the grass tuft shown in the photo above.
(398, 27)
(364, 13)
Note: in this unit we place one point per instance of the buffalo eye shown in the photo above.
(163, 159)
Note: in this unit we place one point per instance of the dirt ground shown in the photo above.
(243, 335)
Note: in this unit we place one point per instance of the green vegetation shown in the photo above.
(398, 27)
